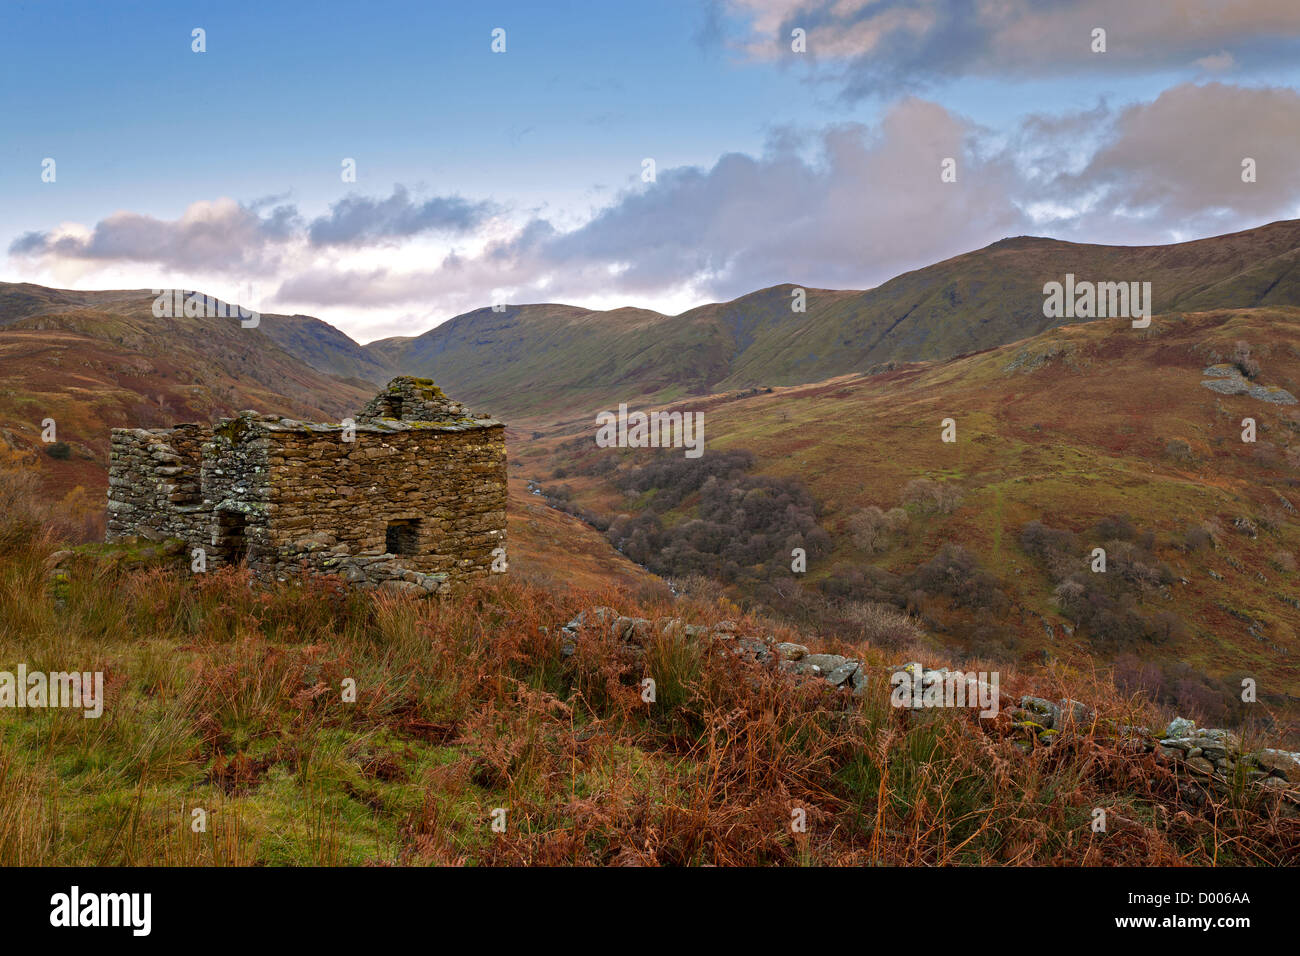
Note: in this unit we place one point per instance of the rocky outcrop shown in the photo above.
(1228, 380)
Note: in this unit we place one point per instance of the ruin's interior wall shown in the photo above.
(235, 479)
(154, 483)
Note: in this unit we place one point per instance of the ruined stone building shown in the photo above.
(411, 496)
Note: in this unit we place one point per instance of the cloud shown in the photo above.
(1217, 62)
(356, 219)
(850, 206)
(228, 236)
(220, 234)
(845, 206)
(864, 205)
(1176, 163)
(875, 46)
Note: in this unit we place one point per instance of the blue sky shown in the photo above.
(411, 90)
(517, 176)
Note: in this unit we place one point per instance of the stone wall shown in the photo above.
(236, 488)
(331, 503)
(154, 484)
(1214, 757)
(398, 500)
(412, 400)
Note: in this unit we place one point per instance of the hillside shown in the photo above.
(533, 358)
(549, 359)
(326, 349)
(972, 554)
(520, 703)
(1069, 429)
(995, 295)
(93, 361)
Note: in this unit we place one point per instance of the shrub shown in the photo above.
(1119, 527)
(883, 625)
(869, 584)
(1047, 544)
(740, 527)
(21, 509)
(931, 497)
(1179, 450)
(872, 528)
(955, 573)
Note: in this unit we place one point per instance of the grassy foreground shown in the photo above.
(231, 701)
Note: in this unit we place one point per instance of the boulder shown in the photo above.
(400, 587)
(837, 676)
(1073, 712)
(1200, 765)
(1280, 763)
(1046, 713)
(859, 681)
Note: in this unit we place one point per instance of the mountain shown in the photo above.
(1107, 436)
(327, 349)
(544, 359)
(548, 359)
(95, 360)
(1064, 424)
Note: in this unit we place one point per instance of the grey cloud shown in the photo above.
(851, 206)
(846, 206)
(252, 237)
(29, 243)
(360, 219)
(869, 204)
(892, 45)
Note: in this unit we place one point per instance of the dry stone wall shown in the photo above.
(154, 483)
(1215, 757)
(413, 400)
(331, 503)
(410, 497)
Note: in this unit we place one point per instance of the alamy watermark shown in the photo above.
(1098, 300)
(176, 303)
(75, 908)
(915, 688)
(653, 430)
(37, 689)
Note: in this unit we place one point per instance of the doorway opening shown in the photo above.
(231, 540)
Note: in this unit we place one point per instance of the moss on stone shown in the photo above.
(234, 430)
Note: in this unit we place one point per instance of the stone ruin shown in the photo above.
(410, 496)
